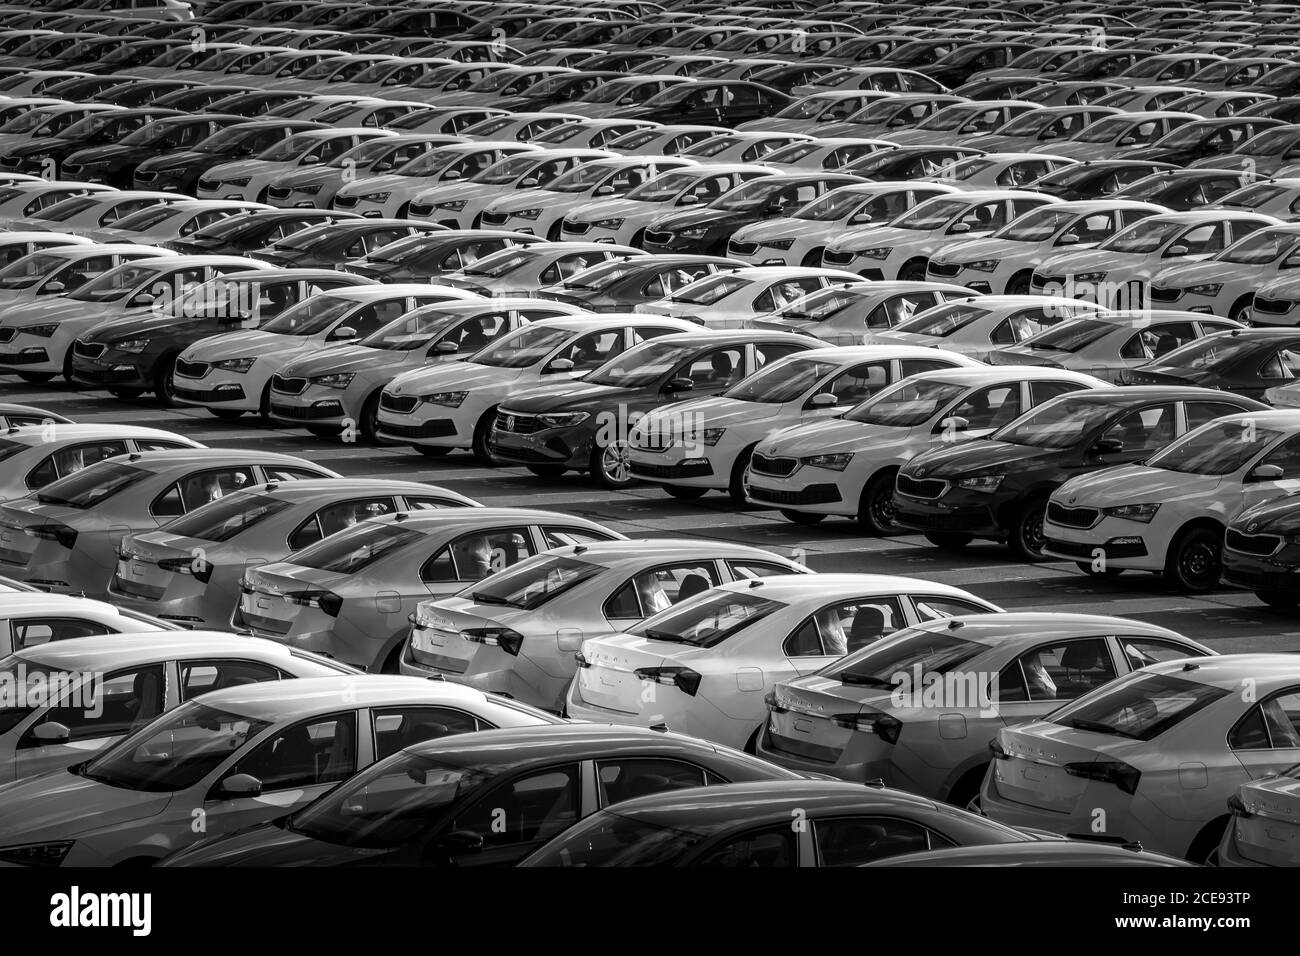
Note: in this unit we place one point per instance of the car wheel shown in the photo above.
(67, 368)
(949, 540)
(684, 494)
(965, 793)
(553, 234)
(369, 424)
(36, 378)
(1241, 309)
(610, 467)
(1018, 284)
(1205, 848)
(913, 271)
(479, 444)
(1025, 536)
(1092, 572)
(1282, 600)
(264, 403)
(751, 745)
(393, 662)
(813, 260)
(227, 414)
(163, 389)
(736, 485)
(1195, 561)
(802, 517)
(638, 239)
(432, 451)
(876, 506)
(547, 471)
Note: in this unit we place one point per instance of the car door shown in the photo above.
(984, 410)
(473, 556)
(837, 629)
(1247, 487)
(34, 630)
(656, 589)
(198, 488)
(1265, 739)
(337, 516)
(1044, 677)
(855, 840)
(850, 387)
(202, 676)
(513, 818)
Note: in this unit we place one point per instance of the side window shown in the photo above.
(844, 628)
(344, 514)
(593, 349)
(307, 754)
(916, 366)
(1019, 326)
(1040, 392)
(1061, 671)
(199, 489)
(199, 677)
(773, 846)
(474, 556)
(659, 588)
(397, 728)
(532, 808)
(568, 266)
(1144, 430)
(765, 352)
(857, 840)
(748, 570)
(1287, 457)
(1155, 341)
(559, 537)
(1284, 364)
(1198, 413)
(66, 461)
(1141, 651)
(627, 778)
(779, 296)
(283, 473)
(859, 383)
(931, 608)
(1272, 725)
(990, 407)
(126, 702)
(422, 503)
(717, 369)
(30, 632)
(899, 308)
(1200, 239)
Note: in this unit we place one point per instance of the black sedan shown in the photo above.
(998, 488)
(424, 258)
(483, 799)
(258, 229)
(1185, 190)
(180, 171)
(715, 102)
(1261, 553)
(585, 424)
(334, 243)
(115, 163)
(46, 154)
(1200, 140)
(1245, 361)
(1096, 179)
(622, 285)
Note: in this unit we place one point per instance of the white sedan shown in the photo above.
(734, 299)
(978, 326)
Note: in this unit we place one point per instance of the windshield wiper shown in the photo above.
(863, 680)
(1097, 727)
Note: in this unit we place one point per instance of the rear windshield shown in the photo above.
(223, 519)
(355, 548)
(534, 582)
(91, 486)
(1069, 336)
(878, 664)
(1140, 708)
(709, 619)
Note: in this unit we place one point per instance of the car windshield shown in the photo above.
(1038, 225)
(534, 582)
(1141, 706)
(91, 486)
(148, 218)
(1104, 130)
(835, 205)
(432, 162)
(966, 168)
(781, 382)
(663, 188)
(290, 148)
(226, 517)
(506, 171)
(1218, 448)
(312, 315)
(1069, 336)
(603, 275)
(391, 803)
(1207, 353)
(610, 839)
(1059, 423)
(1146, 236)
(642, 365)
(581, 179)
(26, 122)
(931, 214)
(411, 331)
(365, 155)
(810, 105)
(27, 271)
(151, 134)
(709, 290)
(1026, 124)
(116, 283)
(1266, 245)
(501, 263)
(950, 117)
(231, 139)
(522, 348)
(65, 209)
(906, 404)
(1254, 195)
(174, 752)
(822, 304)
(752, 195)
(943, 320)
(1273, 142)
(357, 547)
(910, 653)
(708, 619)
(1184, 136)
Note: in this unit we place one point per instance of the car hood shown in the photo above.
(245, 343)
(532, 198)
(340, 358)
(50, 310)
(827, 437)
(61, 804)
(1132, 483)
(971, 250)
(178, 160)
(1278, 515)
(445, 192)
(718, 411)
(269, 845)
(614, 208)
(978, 456)
(1088, 260)
(782, 228)
(310, 176)
(569, 395)
(695, 217)
(871, 237)
(377, 184)
(454, 375)
(241, 167)
(1195, 273)
(134, 324)
(95, 154)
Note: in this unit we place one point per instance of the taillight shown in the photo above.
(503, 637)
(683, 678)
(1108, 771)
(327, 601)
(885, 727)
(196, 566)
(1238, 806)
(997, 750)
(61, 533)
(772, 703)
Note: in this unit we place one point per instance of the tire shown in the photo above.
(736, 484)
(1241, 309)
(368, 426)
(36, 378)
(67, 368)
(393, 662)
(1205, 848)
(684, 494)
(751, 745)
(1025, 534)
(1195, 560)
(1282, 600)
(1086, 568)
(163, 389)
(227, 414)
(913, 271)
(547, 471)
(430, 451)
(264, 403)
(609, 466)
(554, 234)
(802, 517)
(479, 444)
(638, 239)
(876, 505)
(1019, 284)
(813, 260)
(965, 793)
(949, 540)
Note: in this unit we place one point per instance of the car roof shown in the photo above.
(766, 800)
(184, 457)
(471, 517)
(303, 697)
(784, 587)
(365, 293)
(986, 628)
(104, 652)
(1122, 395)
(1034, 853)
(1228, 670)
(654, 549)
(37, 435)
(1001, 373)
(22, 602)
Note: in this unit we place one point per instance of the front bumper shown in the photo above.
(952, 512)
(1123, 544)
(570, 446)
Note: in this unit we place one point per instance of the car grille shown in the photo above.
(105, 376)
(658, 236)
(289, 386)
(776, 466)
(7, 335)
(1072, 517)
(304, 413)
(701, 469)
(812, 495)
(518, 424)
(1164, 295)
(742, 248)
(344, 202)
(88, 349)
(420, 209)
(437, 428)
(147, 176)
(1276, 306)
(947, 269)
(921, 487)
(1257, 544)
(402, 404)
(1038, 281)
(209, 184)
(946, 521)
(225, 394)
(836, 258)
(279, 192)
(24, 358)
(493, 219)
(192, 369)
(575, 228)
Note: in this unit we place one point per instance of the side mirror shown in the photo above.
(344, 332)
(446, 348)
(456, 843)
(51, 732)
(143, 298)
(310, 160)
(953, 423)
(1266, 473)
(689, 200)
(604, 191)
(1069, 239)
(241, 785)
(451, 174)
(1127, 141)
(898, 121)
(959, 227)
(558, 365)
(52, 288)
(529, 183)
(382, 166)
(1049, 134)
(823, 400)
(1107, 446)
(679, 384)
(1177, 251)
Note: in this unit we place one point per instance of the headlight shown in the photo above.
(1208, 288)
(985, 483)
(695, 232)
(1089, 276)
(44, 331)
(711, 436)
(1143, 512)
(335, 380)
(980, 265)
(608, 223)
(836, 462)
(564, 420)
(456, 205)
(36, 854)
(880, 252)
(309, 190)
(132, 345)
(240, 365)
(779, 243)
(532, 213)
(450, 399)
(237, 182)
(375, 197)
